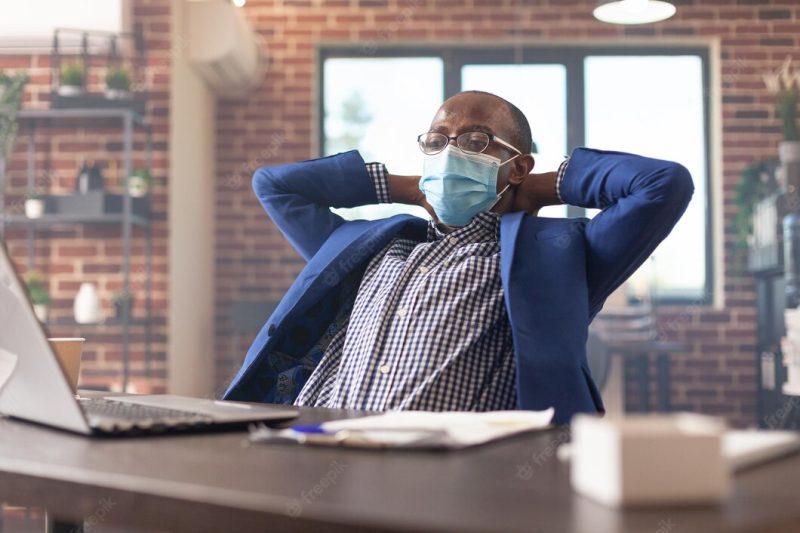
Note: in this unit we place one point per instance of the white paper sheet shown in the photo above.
(746, 448)
(457, 429)
(418, 430)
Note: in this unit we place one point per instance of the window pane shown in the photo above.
(540, 92)
(379, 106)
(38, 18)
(653, 106)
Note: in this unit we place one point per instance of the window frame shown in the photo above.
(454, 57)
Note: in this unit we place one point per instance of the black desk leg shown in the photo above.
(664, 383)
(643, 364)
(54, 525)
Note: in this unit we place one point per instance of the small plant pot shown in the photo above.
(117, 94)
(120, 307)
(789, 152)
(70, 90)
(34, 207)
(41, 311)
(138, 187)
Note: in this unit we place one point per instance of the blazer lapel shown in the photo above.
(509, 229)
(347, 248)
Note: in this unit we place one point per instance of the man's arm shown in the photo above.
(405, 190)
(298, 196)
(537, 191)
(641, 200)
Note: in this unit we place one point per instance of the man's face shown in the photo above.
(480, 112)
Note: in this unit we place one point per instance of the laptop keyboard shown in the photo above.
(121, 415)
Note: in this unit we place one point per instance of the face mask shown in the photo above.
(458, 186)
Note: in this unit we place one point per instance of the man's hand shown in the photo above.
(405, 190)
(536, 191)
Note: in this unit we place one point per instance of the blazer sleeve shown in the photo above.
(641, 199)
(298, 196)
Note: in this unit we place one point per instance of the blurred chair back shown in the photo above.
(631, 324)
(599, 358)
(248, 316)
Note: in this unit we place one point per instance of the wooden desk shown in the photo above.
(215, 482)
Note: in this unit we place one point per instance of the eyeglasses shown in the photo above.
(471, 142)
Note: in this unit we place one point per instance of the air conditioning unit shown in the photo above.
(223, 48)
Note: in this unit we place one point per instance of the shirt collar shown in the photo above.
(484, 226)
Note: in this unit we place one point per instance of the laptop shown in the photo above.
(34, 387)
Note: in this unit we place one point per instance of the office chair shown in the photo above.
(599, 358)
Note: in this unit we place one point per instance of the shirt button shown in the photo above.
(452, 240)
(402, 312)
(385, 369)
(423, 269)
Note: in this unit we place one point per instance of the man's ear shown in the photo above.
(522, 166)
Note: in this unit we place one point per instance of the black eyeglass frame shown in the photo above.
(489, 139)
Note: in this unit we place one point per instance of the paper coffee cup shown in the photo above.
(68, 351)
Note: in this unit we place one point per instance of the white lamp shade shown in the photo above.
(634, 11)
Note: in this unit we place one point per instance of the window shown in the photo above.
(649, 101)
(663, 119)
(361, 110)
(31, 22)
(540, 92)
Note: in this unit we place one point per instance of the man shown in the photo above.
(484, 307)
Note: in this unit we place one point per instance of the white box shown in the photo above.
(649, 459)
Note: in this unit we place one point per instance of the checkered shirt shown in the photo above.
(428, 329)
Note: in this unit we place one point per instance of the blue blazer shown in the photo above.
(556, 272)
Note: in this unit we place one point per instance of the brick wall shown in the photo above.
(276, 124)
(67, 256)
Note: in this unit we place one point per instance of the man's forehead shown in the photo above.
(474, 113)
(447, 127)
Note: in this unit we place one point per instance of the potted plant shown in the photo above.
(123, 302)
(34, 205)
(756, 183)
(785, 85)
(11, 89)
(73, 76)
(118, 83)
(37, 291)
(139, 182)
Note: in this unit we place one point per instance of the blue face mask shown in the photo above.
(458, 186)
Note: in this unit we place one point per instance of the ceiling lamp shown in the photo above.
(634, 11)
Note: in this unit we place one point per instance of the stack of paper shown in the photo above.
(413, 429)
(745, 448)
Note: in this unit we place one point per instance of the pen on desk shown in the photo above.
(318, 429)
(310, 428)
